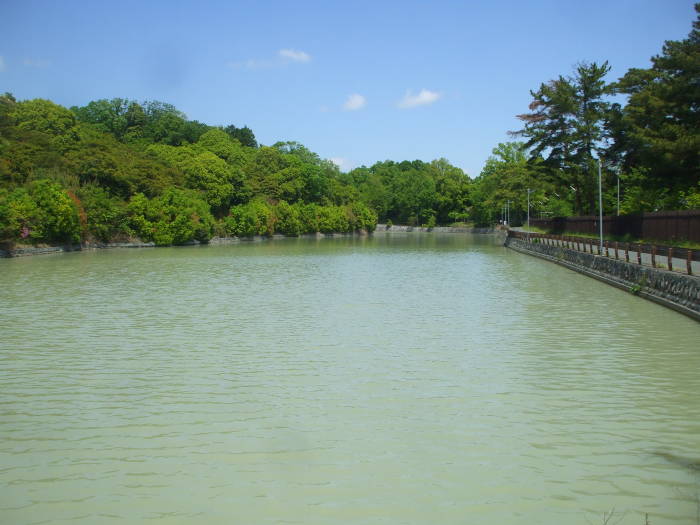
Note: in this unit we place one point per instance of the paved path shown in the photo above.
(679, 264)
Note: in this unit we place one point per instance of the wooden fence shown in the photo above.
(668, 226)
(661, 255)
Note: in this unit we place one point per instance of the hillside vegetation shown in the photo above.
(122, 169)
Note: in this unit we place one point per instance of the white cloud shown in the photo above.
(355, 102)
(284, 56)
(342, 163)
(294, 55)
(423, 98)
(35, 62)
(2, 64)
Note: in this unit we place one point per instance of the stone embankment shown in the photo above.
(674, 290)
(23, 251)
(398, 228)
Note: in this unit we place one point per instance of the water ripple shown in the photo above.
(399, 379)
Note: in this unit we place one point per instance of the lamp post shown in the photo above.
(600, 206)
(528, 214)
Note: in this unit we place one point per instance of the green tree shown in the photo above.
(658, 130)
(176, 217)
(19, 216)
(567, 125)
(452, 190)
(253, 218)
(57, 214)
(243, 135)
(506, 177)
(7, 106)
(106, 214)
(43, 116)
(109, 116)
(288, 221)
(223, 146)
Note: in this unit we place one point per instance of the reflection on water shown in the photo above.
(395, 379)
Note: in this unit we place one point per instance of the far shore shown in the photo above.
(24, 250)
(401, 228)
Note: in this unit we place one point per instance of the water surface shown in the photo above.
(398, 379)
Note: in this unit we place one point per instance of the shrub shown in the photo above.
(106, 215)
(254, 218)
(288, 219)
(57, 214)
(176, 217)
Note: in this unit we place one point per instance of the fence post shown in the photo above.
(653, 255)
(670, 258)
(689, 262)
(627, 252)
(639, 254)
(616, 246)
(607, 251)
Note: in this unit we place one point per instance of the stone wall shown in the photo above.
(21, 251)
(675, 290)
(24, 251)
(398, 228)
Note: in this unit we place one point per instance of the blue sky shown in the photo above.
(357, 82)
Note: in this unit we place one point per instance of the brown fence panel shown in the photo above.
(669, 226)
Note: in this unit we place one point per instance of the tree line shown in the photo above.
(120, 169)
(644, 129)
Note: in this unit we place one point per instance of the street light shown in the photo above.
(528, 214)
(600, 206)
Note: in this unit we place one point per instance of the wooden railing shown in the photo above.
(661, 256)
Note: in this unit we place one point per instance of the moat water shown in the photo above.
(393, 379)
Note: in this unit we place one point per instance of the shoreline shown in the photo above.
(673, 290)
(28, 250)
(401, 228)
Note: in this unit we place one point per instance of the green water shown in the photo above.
(399, 379)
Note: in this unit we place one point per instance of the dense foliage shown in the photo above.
(651, 144)
(120, 169)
